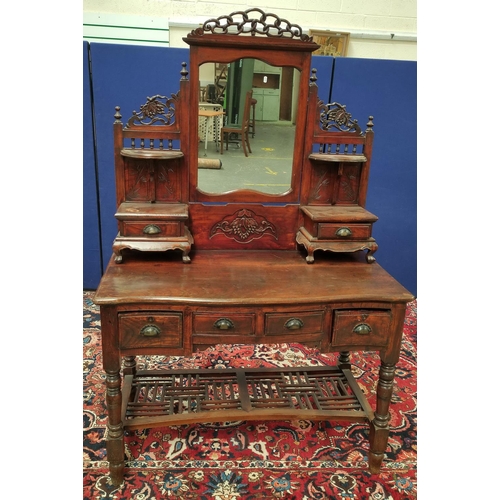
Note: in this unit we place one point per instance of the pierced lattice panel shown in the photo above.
(178, 395)
(302, 390)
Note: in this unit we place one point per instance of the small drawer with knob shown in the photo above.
(223, 324)
(361, 328)
(294, 325)
(152, 229)
(328, 231)
(150, 329)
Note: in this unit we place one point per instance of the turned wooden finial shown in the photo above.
(370, 124)
(184, 71)
(118, 116)
(313, 77)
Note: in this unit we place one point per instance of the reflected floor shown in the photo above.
(267, 168)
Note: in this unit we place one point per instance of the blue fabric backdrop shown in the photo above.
(124, 75)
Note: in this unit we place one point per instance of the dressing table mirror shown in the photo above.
(271, 122)
(249, 272)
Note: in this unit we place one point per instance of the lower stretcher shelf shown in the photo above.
(174, 397)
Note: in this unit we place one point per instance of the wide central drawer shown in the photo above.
(293, 323)
(223, 323)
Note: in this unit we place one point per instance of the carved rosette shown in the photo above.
(159, 110)
(244, 226)
(334, 115)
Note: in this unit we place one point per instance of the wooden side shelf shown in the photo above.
(338, 213)
(175, 397)
(152, 154)
(337, 158)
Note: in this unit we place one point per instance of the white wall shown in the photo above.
(380, 29)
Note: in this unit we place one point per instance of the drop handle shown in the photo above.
(151, 229)
(344, 232)
(294, 324)
(362, 329)
(150, 331)
(224, 324)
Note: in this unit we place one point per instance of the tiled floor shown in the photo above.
(267, 168)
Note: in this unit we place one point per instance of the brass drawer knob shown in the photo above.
(362, 329)
(151, 229)
(343, 232)
(294, 324)
(224, 324)
(150, 331)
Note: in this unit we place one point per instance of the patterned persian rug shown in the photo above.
(246, 460)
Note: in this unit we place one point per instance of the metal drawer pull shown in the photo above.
(224, 324)
(151, 229)
(294, 324)
(343, 232)
(362, 329)
(150, 331)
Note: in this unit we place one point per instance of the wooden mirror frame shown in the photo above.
(272, 40)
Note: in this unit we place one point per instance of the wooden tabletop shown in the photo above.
(247, 278)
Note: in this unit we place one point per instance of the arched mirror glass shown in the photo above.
(249, 108)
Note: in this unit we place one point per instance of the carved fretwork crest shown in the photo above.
(159, 110)
(334, 115)
(244, 226)
(242, 22)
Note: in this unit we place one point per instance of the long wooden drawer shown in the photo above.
(294, 323)
(151, 228)
(150, 329)
(361, 328)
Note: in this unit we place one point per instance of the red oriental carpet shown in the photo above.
(247, 460)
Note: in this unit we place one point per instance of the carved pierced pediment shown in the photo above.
(157, 110)
(254, 22)
(335, 116)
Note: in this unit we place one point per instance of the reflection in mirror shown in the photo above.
(264, 163)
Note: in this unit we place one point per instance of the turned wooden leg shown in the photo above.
(129, 365)
(345, 360)
(114, 442)
(130, 368)
(379, 427)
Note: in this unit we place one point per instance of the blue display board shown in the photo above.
(92, 267)
(124, 75)
(387, 90)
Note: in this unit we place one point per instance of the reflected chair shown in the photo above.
(251, 123)
(242, 129)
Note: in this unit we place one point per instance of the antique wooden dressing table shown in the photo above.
(248, 273)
